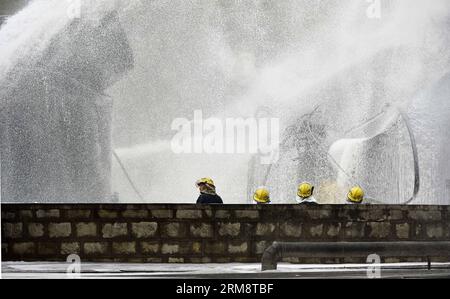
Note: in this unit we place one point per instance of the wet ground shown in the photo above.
(48, 270)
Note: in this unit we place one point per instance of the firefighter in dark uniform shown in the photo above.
(207, 192)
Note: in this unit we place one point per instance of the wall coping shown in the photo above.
(135, 206)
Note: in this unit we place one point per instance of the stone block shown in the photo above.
(173, 260)
(379, 229)
(396, 215)
(291, 229)
(113, 230)
(354, 230)
(52, 213)
(36, 230)
(402, 230)
(150, 247)
(265, 229)
(173, 230)
(59, 230)
(200, 260)
(189, 214)
(333, 230)
(162, 213)
(215, 248)
(47, 248)
(23, 248)
(70, 248)
(25, 214)
(109, 214)
(222, 214)
(144, 229)
(202, 230)
(124, 248)
(229, 229)
(208, 212)
(422, 215)
(196, 247)
(8, 215)
(91, 248)
(86, 229)
(12, 230)
(247, 214)
(372, 215)
(238, 248)
(316, 230)
(435, 230)
(170, 248)
(78, 214)
(317, 214)
(135, 214)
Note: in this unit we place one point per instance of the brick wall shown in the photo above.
(196, 234)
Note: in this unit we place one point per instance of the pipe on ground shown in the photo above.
(278, 250)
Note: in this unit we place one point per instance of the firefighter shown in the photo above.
(261, 196)
(355, 195)
(305, 194)
(207, 192)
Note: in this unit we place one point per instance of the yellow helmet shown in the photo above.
(208, 181)
(261, 195)
(305, 190)
(355, 195)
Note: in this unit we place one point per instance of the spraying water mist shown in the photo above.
(113, 75)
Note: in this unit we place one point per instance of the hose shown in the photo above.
(415, 157)
(127, 175)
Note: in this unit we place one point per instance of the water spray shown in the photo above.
(289, 131)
